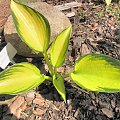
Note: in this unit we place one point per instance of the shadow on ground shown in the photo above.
(4, 108)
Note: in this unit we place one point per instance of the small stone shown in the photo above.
(107, 112)
(30, 59)
(69, 102)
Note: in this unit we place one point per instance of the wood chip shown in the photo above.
(68, 5)
(77, 112)
(71, 14)
(39, 111)
(107, 112)
(113, 104)
(16, 105)
(61, 69)
(39, 102)
(31, 95)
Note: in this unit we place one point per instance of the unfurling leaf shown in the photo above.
(32, 27)
(97, 72)
(59, 47)
(20, 78)
(108, 2)
(58, 83)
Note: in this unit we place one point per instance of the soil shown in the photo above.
(95, 29)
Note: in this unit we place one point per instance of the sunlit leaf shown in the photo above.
(59, 47)
(32, 27)
(22, 1)
(97, 72)
(108, 2)
(58, 82)
(20, 78)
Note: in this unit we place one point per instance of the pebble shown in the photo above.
(69, 102)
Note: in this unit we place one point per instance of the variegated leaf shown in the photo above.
(59, 47)
(58, 82)
(32, 27)
(97, 72)
(20, 78)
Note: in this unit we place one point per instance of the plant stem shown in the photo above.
(55, 71)
(48, 63)
(48, 78)
(66, 75)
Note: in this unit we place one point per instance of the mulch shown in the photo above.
(95, 29)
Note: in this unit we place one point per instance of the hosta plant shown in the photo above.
(94, 72)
